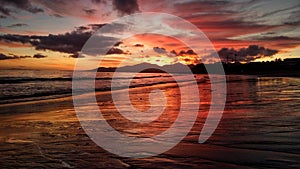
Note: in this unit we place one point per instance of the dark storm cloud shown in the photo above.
(126, 7)
(66, 43)
(19, 4)
(70, 42)
(17, 25)
(38, 56)
(248, 54)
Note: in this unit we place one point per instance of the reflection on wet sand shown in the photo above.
(260, 127)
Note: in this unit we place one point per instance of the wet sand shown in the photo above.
(260, 128)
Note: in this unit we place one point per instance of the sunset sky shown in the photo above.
(49, 34)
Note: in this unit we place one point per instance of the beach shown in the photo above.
(260, 128)
(134, 84)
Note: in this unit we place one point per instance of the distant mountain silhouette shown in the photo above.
(176, 68)
(288, 67)
(148, 68)
(139, 67)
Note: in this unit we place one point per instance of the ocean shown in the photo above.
(260, 126)
(28, 85)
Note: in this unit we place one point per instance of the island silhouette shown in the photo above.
(286, 67)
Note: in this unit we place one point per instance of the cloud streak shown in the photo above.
(11, 56)
(17, 25)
